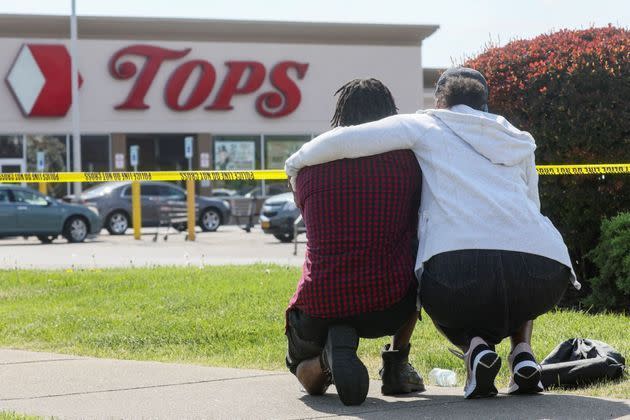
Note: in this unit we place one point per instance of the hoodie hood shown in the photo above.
(490, 135)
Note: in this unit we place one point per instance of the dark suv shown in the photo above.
(113, 200)
(277, 216)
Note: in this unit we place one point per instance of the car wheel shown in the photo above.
(117, 223)
(284, 237)
(210, 220)
(46, 239)
(76, 229)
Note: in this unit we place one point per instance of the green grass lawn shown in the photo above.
(221, 316)
(10, 415)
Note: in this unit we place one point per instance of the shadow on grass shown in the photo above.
(430, 405)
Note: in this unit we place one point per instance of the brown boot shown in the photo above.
(398, 376)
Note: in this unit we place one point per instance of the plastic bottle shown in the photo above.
(443, 377)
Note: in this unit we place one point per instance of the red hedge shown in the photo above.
(571, 90)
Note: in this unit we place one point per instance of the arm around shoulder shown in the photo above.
(391, 133)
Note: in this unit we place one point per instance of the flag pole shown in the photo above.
(74, 71)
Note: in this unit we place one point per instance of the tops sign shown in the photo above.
(39, 80)
(242, 78)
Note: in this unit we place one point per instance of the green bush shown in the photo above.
(611, 288)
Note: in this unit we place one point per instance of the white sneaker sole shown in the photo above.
(522, 383)
(483, 374)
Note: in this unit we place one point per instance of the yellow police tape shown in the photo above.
(269, 174)
(612, 168)
(144, 176)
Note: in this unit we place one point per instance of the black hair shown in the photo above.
(462, 91)
(361, 101)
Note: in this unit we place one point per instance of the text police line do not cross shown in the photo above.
(259, 174)
(243, 77)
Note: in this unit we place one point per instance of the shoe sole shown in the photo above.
(485, 368)
(526, 379)
(349, 374)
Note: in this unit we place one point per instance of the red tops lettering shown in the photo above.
(242, 78)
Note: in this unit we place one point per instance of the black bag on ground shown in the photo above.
(581, 361)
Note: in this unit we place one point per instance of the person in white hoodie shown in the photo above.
(488, 261)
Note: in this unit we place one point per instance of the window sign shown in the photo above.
(41, 161)
(188, 147)
(204, 160)
(134, 151)
(234, 155)
(119, 161)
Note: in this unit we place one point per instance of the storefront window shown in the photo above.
(234, 153)
(95, 153)
(55, 157)
(11, 147)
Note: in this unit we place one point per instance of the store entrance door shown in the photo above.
(159, 152)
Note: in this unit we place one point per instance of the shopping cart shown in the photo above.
(243, 211)
(172, 214)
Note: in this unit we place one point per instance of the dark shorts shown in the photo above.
(307, 335)
(489, 293)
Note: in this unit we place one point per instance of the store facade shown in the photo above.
(248, 93)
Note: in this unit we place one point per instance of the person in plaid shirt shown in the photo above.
(358, 278)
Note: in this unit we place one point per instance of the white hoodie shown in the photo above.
(479, 184)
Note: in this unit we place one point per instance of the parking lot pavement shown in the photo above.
(229, 245)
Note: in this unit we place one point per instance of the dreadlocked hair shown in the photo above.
(361, 101)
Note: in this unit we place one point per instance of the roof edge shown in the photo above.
(170, 29)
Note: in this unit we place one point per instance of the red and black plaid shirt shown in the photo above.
(361, 218)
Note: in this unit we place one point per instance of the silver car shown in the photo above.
(113, 201)
(25, 212)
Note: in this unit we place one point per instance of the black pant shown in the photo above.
(489, 293)
(306, 335)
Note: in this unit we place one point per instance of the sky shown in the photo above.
(465, 26)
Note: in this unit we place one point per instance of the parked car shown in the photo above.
(113, 201)
(25, 212)
(277, 216)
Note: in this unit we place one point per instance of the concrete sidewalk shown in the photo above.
(79, 387)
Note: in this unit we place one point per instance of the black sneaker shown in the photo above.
(349, 374)
(482, 366)
(397, 374)
(526, 372)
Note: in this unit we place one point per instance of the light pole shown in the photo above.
(74, 72)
